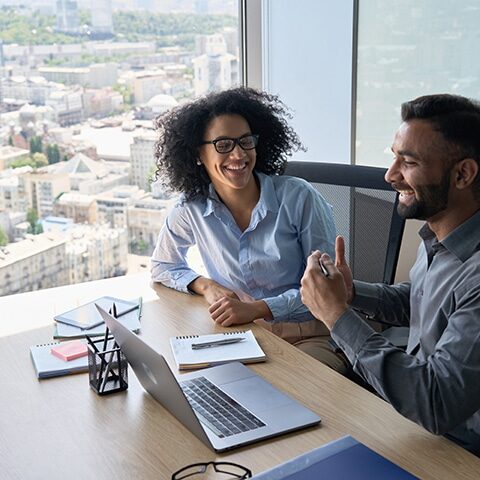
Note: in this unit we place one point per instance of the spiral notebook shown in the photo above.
(48, 365)
(187, 358)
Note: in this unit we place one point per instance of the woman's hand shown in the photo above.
(229, 311)
(211, 290)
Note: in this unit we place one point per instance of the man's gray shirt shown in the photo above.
(436, 382)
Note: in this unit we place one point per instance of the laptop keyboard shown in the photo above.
(218, 411)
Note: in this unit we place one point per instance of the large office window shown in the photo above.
(407, 49)
(344, 67)
(307, 61)
(81, 82)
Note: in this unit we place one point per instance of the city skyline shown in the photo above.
(80, 134)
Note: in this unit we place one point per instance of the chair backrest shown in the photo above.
(365, 213)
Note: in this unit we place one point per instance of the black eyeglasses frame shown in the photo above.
(236, 141)
(203, 468)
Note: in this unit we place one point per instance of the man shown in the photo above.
(436, 381)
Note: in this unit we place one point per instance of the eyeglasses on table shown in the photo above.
(225, 470)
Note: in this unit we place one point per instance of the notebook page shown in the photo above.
(247, 350)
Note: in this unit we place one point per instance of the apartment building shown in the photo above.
(33, 89)
(12, 197)
(67, 105)
(142, 159)
(37, 262)
(9, 154)
(95, 252)
(97, 75)
(41, 188)
(77, 206)
(113, 205)
(101, 102)
(216, 69)
(145, 218)
(147, 84)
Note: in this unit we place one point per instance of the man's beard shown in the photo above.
(432, 199)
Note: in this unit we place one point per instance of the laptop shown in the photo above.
(226, 406)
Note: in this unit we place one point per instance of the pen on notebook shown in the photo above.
(128, 310)
(216, 343)
(140, 305)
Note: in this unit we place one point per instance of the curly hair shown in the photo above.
(181, 132)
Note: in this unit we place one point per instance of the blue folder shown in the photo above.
(342, 459)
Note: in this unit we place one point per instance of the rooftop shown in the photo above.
(29, 247)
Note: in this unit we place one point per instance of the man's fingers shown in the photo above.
(313, 259)
(328, 264)
(339, 251)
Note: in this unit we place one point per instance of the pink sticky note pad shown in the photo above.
(70, 350)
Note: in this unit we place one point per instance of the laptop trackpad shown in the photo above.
(255, 394)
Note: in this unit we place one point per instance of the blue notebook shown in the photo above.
(48, 365)
(342, 459)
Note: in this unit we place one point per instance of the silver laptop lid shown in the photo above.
(277, 411)
(158, 379)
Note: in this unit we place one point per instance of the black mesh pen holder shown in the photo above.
(107, 366)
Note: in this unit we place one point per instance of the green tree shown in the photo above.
(142, 246)
(39, 160)
(36, 145)
(53, 153)
(32, 219)
(22, 162)
(3, 238)
(35, 226)
(126, 92)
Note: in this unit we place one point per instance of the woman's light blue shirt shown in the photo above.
(266, 261)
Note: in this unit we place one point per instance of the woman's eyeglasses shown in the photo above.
(226, 145)
(227, 469)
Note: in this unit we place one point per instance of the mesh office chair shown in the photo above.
(365, 213)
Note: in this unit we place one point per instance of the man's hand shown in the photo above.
(230, 311)
(343, 267)
(326, 297)
(211, 290)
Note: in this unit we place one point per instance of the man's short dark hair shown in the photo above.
(456, 118)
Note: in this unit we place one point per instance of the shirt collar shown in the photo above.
(268, 199)
(462, 242)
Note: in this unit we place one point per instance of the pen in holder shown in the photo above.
(107, 365)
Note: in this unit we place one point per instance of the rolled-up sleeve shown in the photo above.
(168, 264)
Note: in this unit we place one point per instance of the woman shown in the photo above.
(254, 228)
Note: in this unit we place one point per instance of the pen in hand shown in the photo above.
(324, 269)
(216, 343)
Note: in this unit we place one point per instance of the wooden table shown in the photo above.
(59, 428)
